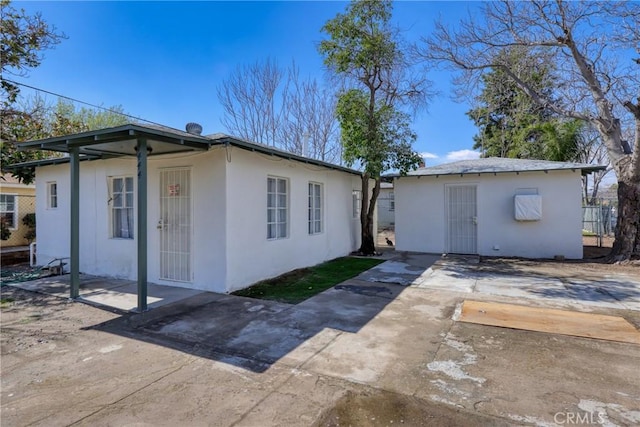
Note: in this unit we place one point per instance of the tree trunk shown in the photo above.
(628, 224)
(368, 245)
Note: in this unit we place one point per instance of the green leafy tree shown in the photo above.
(365, 52)
(23, 38)
(35, 119)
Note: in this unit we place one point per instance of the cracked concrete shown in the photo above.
(361, 351)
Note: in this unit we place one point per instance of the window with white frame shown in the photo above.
(52, 195)
(122, 207)
(392, 201)
(315, 208)
(9, 210)
(355, 199)
(277, 208)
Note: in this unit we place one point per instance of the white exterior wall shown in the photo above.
(251, 256)
(230, 249)
(421, 221)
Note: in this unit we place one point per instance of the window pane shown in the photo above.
(271, 231)
(129, 184)
(129, 200)
(271, 215)
(117, 200)
(282, 186)
(271, 200)
(318, 227)
(271, 185)
(282, 231)
(317, 193)
(282, 215)
(282, 200)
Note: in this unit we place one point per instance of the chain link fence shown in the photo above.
(599, 221)
(17, 215)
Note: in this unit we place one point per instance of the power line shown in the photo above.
(82, 102)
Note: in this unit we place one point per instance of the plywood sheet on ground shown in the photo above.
(611, 328)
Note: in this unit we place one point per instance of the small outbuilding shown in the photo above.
(492, 207)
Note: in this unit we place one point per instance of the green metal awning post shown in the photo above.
(141, 154)
(75, 223)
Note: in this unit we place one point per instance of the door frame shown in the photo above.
(447, 241)
(161, 171)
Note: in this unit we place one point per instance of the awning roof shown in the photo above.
(122, 141)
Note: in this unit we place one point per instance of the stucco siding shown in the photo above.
(421, 221)
(52, 225)
(229, 245)
(251, 255)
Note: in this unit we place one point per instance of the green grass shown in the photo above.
(298, 285)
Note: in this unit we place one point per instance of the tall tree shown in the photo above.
(505, 116)
(597, 76)
(23, 38)
(35, 119)
(268, 104)
(366, 52)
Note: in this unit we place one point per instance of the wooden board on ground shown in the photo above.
(611, 328)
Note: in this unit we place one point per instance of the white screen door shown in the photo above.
(462, 229)
(175, 224)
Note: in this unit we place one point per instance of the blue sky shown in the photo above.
(162, 61)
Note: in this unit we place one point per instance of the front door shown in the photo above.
(462, 211)
(175, 224)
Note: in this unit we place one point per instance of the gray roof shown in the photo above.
(496, 165)
(121, 141)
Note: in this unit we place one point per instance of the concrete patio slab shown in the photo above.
(214, 359)
(108, 292)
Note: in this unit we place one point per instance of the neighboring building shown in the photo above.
(386, 206)
(221, 213)
(16, 201)
(492, 207)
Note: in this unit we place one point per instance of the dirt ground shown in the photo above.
(56, 355)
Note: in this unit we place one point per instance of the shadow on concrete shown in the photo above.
(523, 278)
(254, 334)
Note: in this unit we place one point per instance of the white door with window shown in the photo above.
(462, 224)
(175, 224)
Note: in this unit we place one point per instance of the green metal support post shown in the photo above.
(75, 223)
(142, 224)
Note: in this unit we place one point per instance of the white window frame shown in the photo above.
(356, 200)
(277, 208)
(15, 210)
(118, 202)
(52, 195)
(316, 208)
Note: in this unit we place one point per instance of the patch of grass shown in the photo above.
(6, 302)
(298, 285)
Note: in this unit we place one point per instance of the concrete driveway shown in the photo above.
(376, 350)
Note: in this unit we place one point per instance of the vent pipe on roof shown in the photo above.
(194, 128)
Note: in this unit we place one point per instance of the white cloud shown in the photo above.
(462, 155)
(427, 155)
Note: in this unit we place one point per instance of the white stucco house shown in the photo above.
(215, 212)
(492, 207)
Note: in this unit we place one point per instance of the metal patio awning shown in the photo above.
(127, 140)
